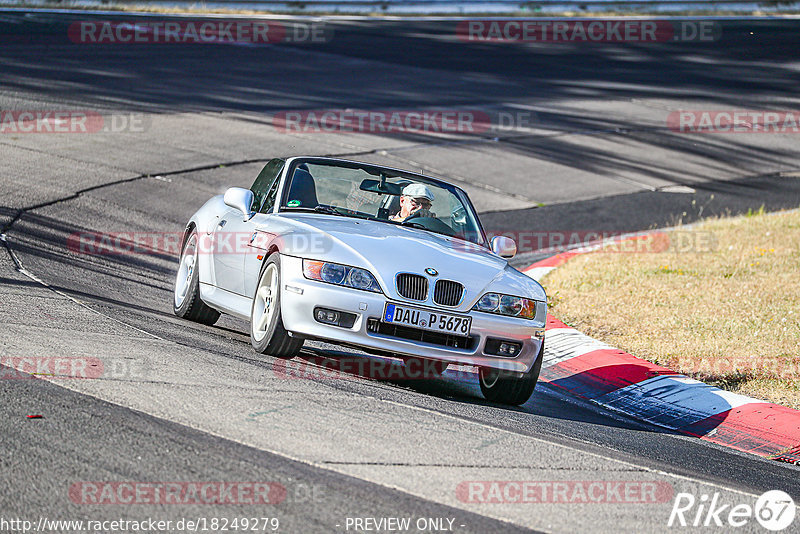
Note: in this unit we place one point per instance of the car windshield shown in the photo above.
(386, 195)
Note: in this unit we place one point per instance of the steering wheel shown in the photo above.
(415, 215)
(430, 223)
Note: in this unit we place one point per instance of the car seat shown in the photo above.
(303, 189)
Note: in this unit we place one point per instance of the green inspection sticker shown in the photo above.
(293, 203)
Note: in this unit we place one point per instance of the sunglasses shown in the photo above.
(420, 202)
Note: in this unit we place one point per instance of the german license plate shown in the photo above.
(427, 320)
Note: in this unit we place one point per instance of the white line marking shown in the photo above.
(537, 273)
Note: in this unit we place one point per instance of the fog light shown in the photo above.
(500, 347)
(508, 349)
(327, 316)
(334, 318)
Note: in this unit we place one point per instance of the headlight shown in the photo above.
(340, 275)
(332, 273)
(488, 303)
(511, 306)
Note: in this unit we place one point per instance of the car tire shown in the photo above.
(186, 302)
(509, 388)
(267, 333)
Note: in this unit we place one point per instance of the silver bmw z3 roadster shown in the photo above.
(387, 261)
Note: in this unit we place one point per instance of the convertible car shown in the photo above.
(387, 261)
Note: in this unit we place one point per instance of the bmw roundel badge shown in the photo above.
(431, 271)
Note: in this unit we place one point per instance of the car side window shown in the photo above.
(266, 185)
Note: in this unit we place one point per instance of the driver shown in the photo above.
(415, 200)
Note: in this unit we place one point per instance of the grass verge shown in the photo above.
(719, 301)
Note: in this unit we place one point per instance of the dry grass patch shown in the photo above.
(723, 308)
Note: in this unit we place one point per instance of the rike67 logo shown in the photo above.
(774, 510)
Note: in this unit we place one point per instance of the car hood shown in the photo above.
(387, 249)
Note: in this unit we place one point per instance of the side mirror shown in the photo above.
(503, 246)
(241, 199)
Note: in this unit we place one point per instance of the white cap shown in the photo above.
(418, 191)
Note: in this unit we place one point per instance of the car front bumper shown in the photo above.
(300, 296)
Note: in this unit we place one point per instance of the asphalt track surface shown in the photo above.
(183, 402)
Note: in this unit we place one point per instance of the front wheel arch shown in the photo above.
(267, 333)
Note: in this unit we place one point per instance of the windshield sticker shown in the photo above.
(294, 203)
